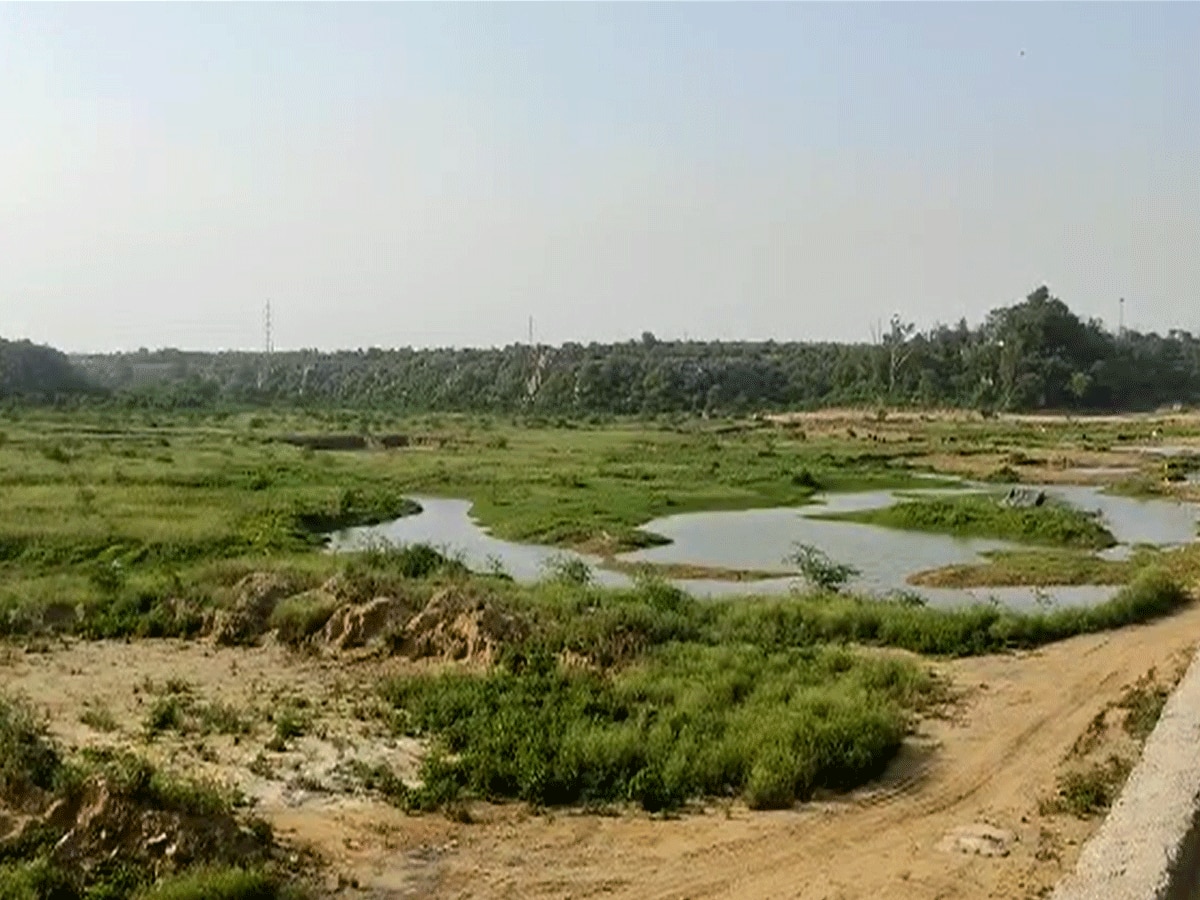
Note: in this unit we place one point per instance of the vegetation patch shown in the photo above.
(693, 571)
(973, 515)
(1089, 791)
(177, 709)
(688, 721)
(100, 825)
(1036, 568)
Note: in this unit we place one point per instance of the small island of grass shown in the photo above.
(982, 516)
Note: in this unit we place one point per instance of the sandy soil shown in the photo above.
(984, 768)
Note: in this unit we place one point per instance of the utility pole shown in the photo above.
(269, 343)
(531, 331)
(1121, 319)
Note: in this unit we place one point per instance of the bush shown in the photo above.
(568, 569)
(27, 756)
(819, 570)
(963, 631)
(1089, 792)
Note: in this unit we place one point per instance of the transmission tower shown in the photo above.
(269, 343)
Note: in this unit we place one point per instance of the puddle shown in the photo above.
(761, 538)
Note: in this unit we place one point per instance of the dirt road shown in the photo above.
(989, 764)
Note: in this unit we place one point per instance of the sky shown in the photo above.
(435, 174)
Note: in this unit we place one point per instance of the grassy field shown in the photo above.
(145, 526)
(141, 525)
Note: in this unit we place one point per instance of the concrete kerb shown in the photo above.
(1148, 848)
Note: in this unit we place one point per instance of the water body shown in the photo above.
(761, 538)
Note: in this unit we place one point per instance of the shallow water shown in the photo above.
(762, 538)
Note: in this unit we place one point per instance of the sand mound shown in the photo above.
(357, 625)
(254, 600)
(102, 825)
(455, 626)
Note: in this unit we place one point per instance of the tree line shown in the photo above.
(1036, 354)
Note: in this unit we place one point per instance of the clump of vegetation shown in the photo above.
(961, 631)
(690, 721)
(291, 722)
(568, 569)
(28, 758)
(1041, 567)
(223, 883)
(177, 709)
(300, 616)
(103, 855)
(1143, 704)
(99, 718)
(379, 778)
(1005, 474)
(1091, 791)
(819, 570)
(1054, 524)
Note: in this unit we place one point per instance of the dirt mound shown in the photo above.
(459, 627)
(101, 824)
(254, 599)
(357, 625)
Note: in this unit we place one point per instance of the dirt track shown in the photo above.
(990, 763)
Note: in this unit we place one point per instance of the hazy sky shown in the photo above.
(434, 174)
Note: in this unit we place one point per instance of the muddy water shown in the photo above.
(762, 538)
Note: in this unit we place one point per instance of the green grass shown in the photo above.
(141, 527)
(298, 618)
(1089, 791)
(694, 699)
(688, 721)
(1037, 568)
(222, 883)
(1143, 704)
(972, 515)
(961, 631)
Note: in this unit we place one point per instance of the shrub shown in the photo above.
(290, 723)
(1143, 703)
(819, 570)
(568, 569)
(27, 756)
(1089, 792)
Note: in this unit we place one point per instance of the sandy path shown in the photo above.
(990, 763)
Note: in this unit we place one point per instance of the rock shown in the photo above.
(979, 839)
(1024, 498)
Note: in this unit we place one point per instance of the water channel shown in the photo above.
(761, 538)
